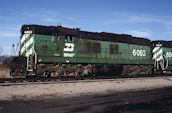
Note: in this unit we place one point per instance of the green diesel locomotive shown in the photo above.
(60, 51)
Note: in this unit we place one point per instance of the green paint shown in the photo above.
(168, 53)
(27, 49)
(49, 49)
(24, 42)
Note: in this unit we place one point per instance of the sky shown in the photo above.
(150, 19)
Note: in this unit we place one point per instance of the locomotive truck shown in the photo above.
(61, 51)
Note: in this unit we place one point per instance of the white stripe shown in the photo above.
(155, 49)
(160, 58)
(24, 37)
(157, 54)
(25, 46)
(29, 52)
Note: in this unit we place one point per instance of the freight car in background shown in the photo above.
(61, 51)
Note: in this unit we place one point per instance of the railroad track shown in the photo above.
(44, 80)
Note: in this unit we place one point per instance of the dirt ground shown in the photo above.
(127, 95)
(81, 88)
(147, 101)
(4, 72)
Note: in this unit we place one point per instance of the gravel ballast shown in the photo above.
(83, 87)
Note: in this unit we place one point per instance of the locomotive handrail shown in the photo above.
(166, 62)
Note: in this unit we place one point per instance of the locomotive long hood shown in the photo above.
(53, 30)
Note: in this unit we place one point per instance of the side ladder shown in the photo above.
(30, 63)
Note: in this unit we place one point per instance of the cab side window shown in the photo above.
(69, 38)
(57, 37)
(66, 38)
